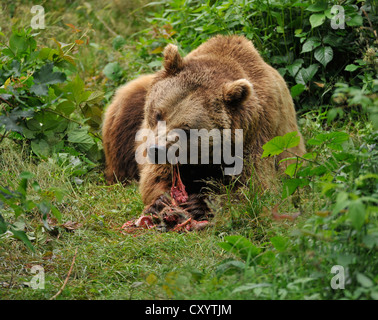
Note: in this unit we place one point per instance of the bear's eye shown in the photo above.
(158, 116)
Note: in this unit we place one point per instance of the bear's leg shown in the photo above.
(155, 180)
(196, 207)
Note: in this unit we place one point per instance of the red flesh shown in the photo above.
(178, 193)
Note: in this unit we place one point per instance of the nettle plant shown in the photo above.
(18, 203)
(302, 40)
(346, 175)
(44, 102)
(342, 231)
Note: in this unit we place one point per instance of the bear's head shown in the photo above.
(195, 98)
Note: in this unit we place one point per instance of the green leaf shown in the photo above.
(293, 168)
(75, 91)
(305, 75)
(364, 280)
(351, 67)
(311, 44)
(118, 42)
(356, 213)
(318, 6)
(278, 17)
(342, 201)
(230, 267)
(333, 113)
(36, 186)
(324, 55)
(45, 76)
(280, 243)
(370, 240)
(355, 21)
(15, 68)
(41, 148)
(294, 67)
(282, 71)
(280, 29)
(329, 138)
(56, 213)
(95, 97)
(10, 120)
(317, 19)
(65, 107)
(346, 259)
(3, 225)
(18, 44)
(39, 89)
(113, 71)
(337, 137)
(21, 235)
(332, 40)
(48, 53)
(250, 286)
(281, 143)
(280, 59)
(291, 185)
(241, 246)
(297, 90)
(81, 138)
(26, 175)
(374, 295)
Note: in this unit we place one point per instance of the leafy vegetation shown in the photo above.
(279, 244)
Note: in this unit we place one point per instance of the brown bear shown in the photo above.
(223, 84)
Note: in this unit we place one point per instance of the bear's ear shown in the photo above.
(236, 92)
(173, 62)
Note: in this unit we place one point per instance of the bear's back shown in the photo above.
(234, 49)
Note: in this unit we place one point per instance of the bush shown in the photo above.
(44, 102)
(295, 37)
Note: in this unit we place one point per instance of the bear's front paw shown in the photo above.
(196, 207)
(158, 205)
(166, 215)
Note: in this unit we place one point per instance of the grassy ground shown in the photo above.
(107, 264)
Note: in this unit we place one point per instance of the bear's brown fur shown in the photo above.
(121, 123)
(223, 84)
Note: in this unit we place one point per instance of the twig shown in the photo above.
(72, 120)
(7, 102)
(106, 26)
(308, 160)
(66, 280)
(5, 135)
(371, 25)
(63, 116)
